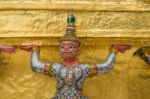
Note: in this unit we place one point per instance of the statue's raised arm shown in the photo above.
(102, 68)
(38, 66)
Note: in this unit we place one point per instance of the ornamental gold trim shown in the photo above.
(93, 70)
(48, 70)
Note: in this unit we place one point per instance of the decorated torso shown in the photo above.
(70, 80)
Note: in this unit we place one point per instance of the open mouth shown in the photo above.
(67, 53)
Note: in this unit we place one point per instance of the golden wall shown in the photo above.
(100, 23)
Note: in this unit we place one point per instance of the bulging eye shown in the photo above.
(62, 47)
(71, 46)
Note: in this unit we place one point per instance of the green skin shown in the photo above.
(143, 55)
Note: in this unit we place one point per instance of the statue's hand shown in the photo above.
(8, 49)
(28, 48)
(121, 48)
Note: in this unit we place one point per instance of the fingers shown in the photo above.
(28, 48)
(12, 49)
(8, 49)
(127, 47)
(121, 48)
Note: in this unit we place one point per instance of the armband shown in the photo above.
(93, 70)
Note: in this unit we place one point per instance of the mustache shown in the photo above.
(68, 52)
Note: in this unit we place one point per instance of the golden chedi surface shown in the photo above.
(100, 23)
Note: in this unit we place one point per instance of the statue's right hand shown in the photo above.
(28, 48)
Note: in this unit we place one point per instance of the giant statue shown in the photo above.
(144, 55)
(70, 75)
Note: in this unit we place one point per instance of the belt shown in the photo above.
(71, 97)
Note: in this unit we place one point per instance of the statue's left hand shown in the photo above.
(8, 49)
(121, 48)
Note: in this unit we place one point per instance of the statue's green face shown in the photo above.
(69, 50)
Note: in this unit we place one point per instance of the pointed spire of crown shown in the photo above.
(70, 34)
(71, 20)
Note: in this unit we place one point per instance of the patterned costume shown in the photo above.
(143, 55)
(70, 79)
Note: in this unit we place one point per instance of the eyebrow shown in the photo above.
(68, 43)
